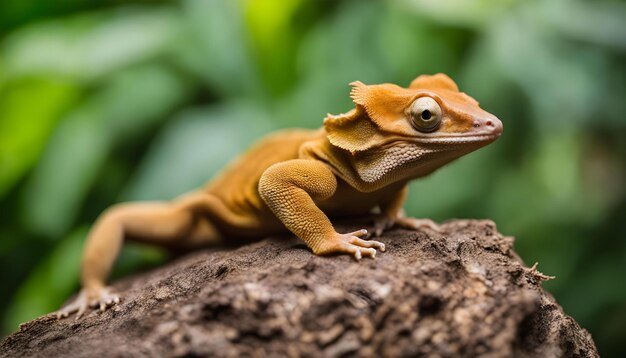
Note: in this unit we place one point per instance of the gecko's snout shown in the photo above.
(490, 125)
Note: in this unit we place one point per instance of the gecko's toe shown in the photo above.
(100, 299)
(81, 312)
(357, 233)
(381, 224)
(416, 224)
(107, 299)
(358, 252)
(351, 244)
(79, 306)
(367, 244)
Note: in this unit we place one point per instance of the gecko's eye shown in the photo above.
(425, 114)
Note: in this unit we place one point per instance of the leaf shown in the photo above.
(90, 46)
(215, 48)
(132, 102)
(565, 85)
(474, 14)
(49, 284)
(273, 37)
(75, 153)
(29, 109)
(194, 147)
(599, 22)
(336, 52)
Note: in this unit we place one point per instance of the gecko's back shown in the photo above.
(237, 184)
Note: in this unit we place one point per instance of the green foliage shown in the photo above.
(24, 126)
(144, 100)
(50, 282)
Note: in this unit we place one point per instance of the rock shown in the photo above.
(459, 292)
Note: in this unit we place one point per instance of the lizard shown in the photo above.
(358, 163)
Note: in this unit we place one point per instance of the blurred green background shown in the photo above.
(114, 100)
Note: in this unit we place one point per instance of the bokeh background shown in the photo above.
(119, 100)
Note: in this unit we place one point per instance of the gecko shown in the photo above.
(357, 164)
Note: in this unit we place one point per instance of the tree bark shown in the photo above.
(459, 292)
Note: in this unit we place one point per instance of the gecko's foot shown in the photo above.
(382, 223)
(100, 299)
(415, 224)
(352, 244)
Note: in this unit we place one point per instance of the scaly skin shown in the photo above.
(357, 163)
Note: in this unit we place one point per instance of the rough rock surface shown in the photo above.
(458, 292)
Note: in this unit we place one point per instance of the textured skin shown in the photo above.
(358, 163)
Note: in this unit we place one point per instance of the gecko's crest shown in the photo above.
(383, 102)
(348, 131)
(438, 81)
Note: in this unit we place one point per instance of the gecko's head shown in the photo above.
(410, 131)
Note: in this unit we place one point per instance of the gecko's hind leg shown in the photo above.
(166, 224)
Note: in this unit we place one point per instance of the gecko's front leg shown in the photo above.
(289, 190)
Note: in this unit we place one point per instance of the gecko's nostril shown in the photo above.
(489, 125)
(496, 125)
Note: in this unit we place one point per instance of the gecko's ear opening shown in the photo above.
(437, 81)
(352, 131)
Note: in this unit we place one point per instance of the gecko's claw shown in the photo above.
(80, 313)
(79, 306)
(100, 299)
(108, 300)
(367, 244)
(352, 244)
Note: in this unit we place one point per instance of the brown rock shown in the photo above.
(460, 292)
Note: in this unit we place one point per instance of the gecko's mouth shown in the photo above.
(482, 139)
(461, 139)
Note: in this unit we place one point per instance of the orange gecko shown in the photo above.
(357, 164)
